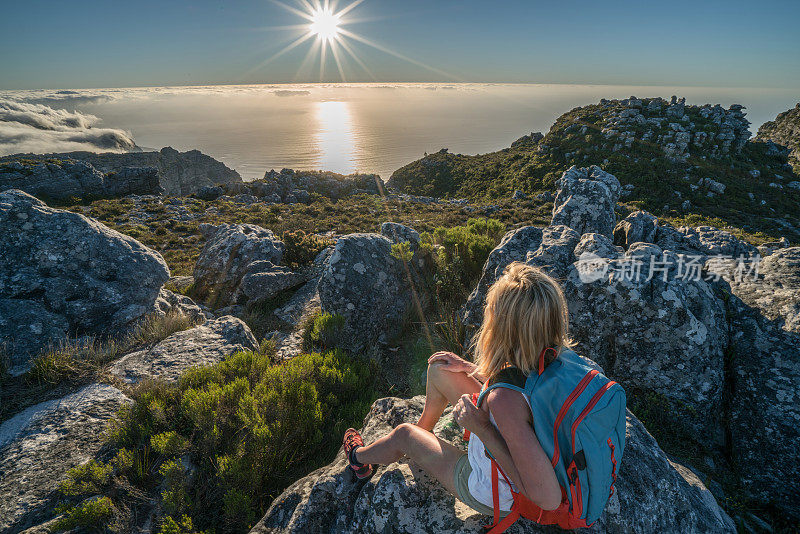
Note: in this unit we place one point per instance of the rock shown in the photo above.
(519, 195)
(771, 285)
(398, 233)
(597, 245)
(755, 173)
(662, 333)
(367, 286)
(206, 344)
(547, 196)
(585, 200)
(298, 186)
(209, 192)
(785, 132)
(556, 251)
(662, 336)
(401, 498)
(231, 252)
(712, 185)
(639, 226)
(765, 407)
(67, 179)
(264, 280)
(179, 173)
(40, 444)
(63, 274)
(174, 303)
(715, 242)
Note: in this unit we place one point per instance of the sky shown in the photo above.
(92, 43)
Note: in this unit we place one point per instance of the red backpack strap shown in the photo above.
(542, 357)
(498, 526)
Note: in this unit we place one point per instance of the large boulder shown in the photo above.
(40, 444)
(206, 344)
(663, 334)
(639, 226)
(67, 179)
(653, 494)
(765, 407)
(63, 274)
(232, 252)
(771, 285)
(367, 286)
(586, 199)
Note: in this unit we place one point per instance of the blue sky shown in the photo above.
(89, 43)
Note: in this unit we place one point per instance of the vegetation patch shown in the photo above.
(76, 362)
(224, 441)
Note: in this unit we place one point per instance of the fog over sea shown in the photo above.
(373, 128)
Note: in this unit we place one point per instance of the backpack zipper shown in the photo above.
(580, 388)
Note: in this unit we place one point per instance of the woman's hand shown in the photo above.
(470, 417)
(452, 363)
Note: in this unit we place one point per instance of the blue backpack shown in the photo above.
(579, 418)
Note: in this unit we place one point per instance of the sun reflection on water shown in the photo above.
(335, 137)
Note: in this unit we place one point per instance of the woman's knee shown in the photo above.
(436, 372)
(404, 431)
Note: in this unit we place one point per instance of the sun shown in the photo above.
(324, 23)
(328, 25)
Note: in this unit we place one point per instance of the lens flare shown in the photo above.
(324, 23)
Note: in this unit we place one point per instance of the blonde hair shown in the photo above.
(525, 313)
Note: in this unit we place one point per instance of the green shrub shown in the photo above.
(302, 248)
(184, 526)
(459, 254)
(324, 331)
(250, 427)
(92, 513)
(402, 251)
(90, 477)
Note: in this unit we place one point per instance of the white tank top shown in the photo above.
(480, 480)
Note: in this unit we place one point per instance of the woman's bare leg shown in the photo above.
(438, 458)
(443, 387)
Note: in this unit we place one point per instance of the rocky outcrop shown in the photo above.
(63, 274)
(785, 131)
(62, 180)
(765, 407)
(660, 333)
(771, 285)
(179, 173)
(176, 304)
(206, 344)
(292, 186)
(585, 200)
(401, 498)
(39, 445)
(367, 286)
(681, 130)
(233, 253)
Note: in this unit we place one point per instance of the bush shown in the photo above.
(302, 248)
(324, 331)
(92, 513)
(250, 428)
(459, 254)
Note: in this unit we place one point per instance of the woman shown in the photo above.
(525, 313)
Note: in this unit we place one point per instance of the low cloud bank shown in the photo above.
(32, 127)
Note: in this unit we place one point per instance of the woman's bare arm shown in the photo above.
(517, 450)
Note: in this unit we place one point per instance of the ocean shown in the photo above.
(370, 128)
